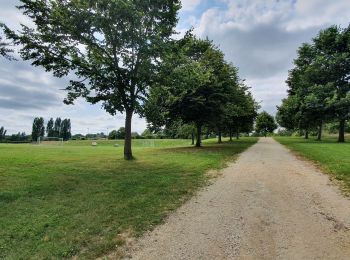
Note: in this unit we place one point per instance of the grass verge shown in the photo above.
(77, 200)
(332, 157)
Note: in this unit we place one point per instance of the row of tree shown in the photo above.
(59, 128)
(197, 88)
(319, 88)
(123, 55)
(112, 47)
(19, 137)
(55, 128)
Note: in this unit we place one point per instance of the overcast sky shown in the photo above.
(260, 37)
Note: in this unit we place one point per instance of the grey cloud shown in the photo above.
(24, 87)
(260, 52)
(21, 103)
(264, 54)
(27, 92)
(263, 42)
(10, 15)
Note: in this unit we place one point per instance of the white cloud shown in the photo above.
(189, 5)
(317, 13)
(261, 37)
(27, 92)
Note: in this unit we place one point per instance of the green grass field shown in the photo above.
(332, 157)
(78, 200)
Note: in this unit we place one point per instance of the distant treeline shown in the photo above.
(55, 128)
(20, 137)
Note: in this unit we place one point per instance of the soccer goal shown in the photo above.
(50, 140)
(147, 143)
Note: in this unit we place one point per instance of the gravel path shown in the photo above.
(267, 205)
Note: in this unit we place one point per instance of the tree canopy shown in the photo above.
(120, 134)
(196, 86)
(38, 129)
(5, 47)
(111, 47)
(265, 123)
(319, 84)
(120, 53)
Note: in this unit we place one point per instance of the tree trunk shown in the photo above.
(230, 135)
(306, 134)
(219, 136)
(127, 143)
(199, 135)
(193, 137)
(341, 138)
(319, 134)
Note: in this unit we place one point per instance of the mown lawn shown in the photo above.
(332, 157)
(76, 200)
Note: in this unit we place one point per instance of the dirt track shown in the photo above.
(268, 205)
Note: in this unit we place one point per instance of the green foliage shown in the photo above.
(286, 114)
(14, 138)
(18, 138)
(120, 134)
(57, 127)
(198, 87)
(265, 123)
(240, 112)
(319, 84)
(184, 131)
(75, 200)
(5, 49)
(112, 47)
(66, 129)
(147, 134)
(3, 132)
(333, 127)
(38, 129)
(112, 135)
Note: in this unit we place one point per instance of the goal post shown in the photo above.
(50, 140)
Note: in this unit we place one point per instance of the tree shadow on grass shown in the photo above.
(225, 146)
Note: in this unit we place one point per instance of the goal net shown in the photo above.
(147, 143)
(50, 140)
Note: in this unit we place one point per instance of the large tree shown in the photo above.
(265, 123)
(333, 45)
(299, 83)
(50, 131)
(121, 133)
(57, 127)
(66, 129)
(287, 111)
(319, 84)
(240, 112)
(195, 80)
(111, 46)
(38, 129)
